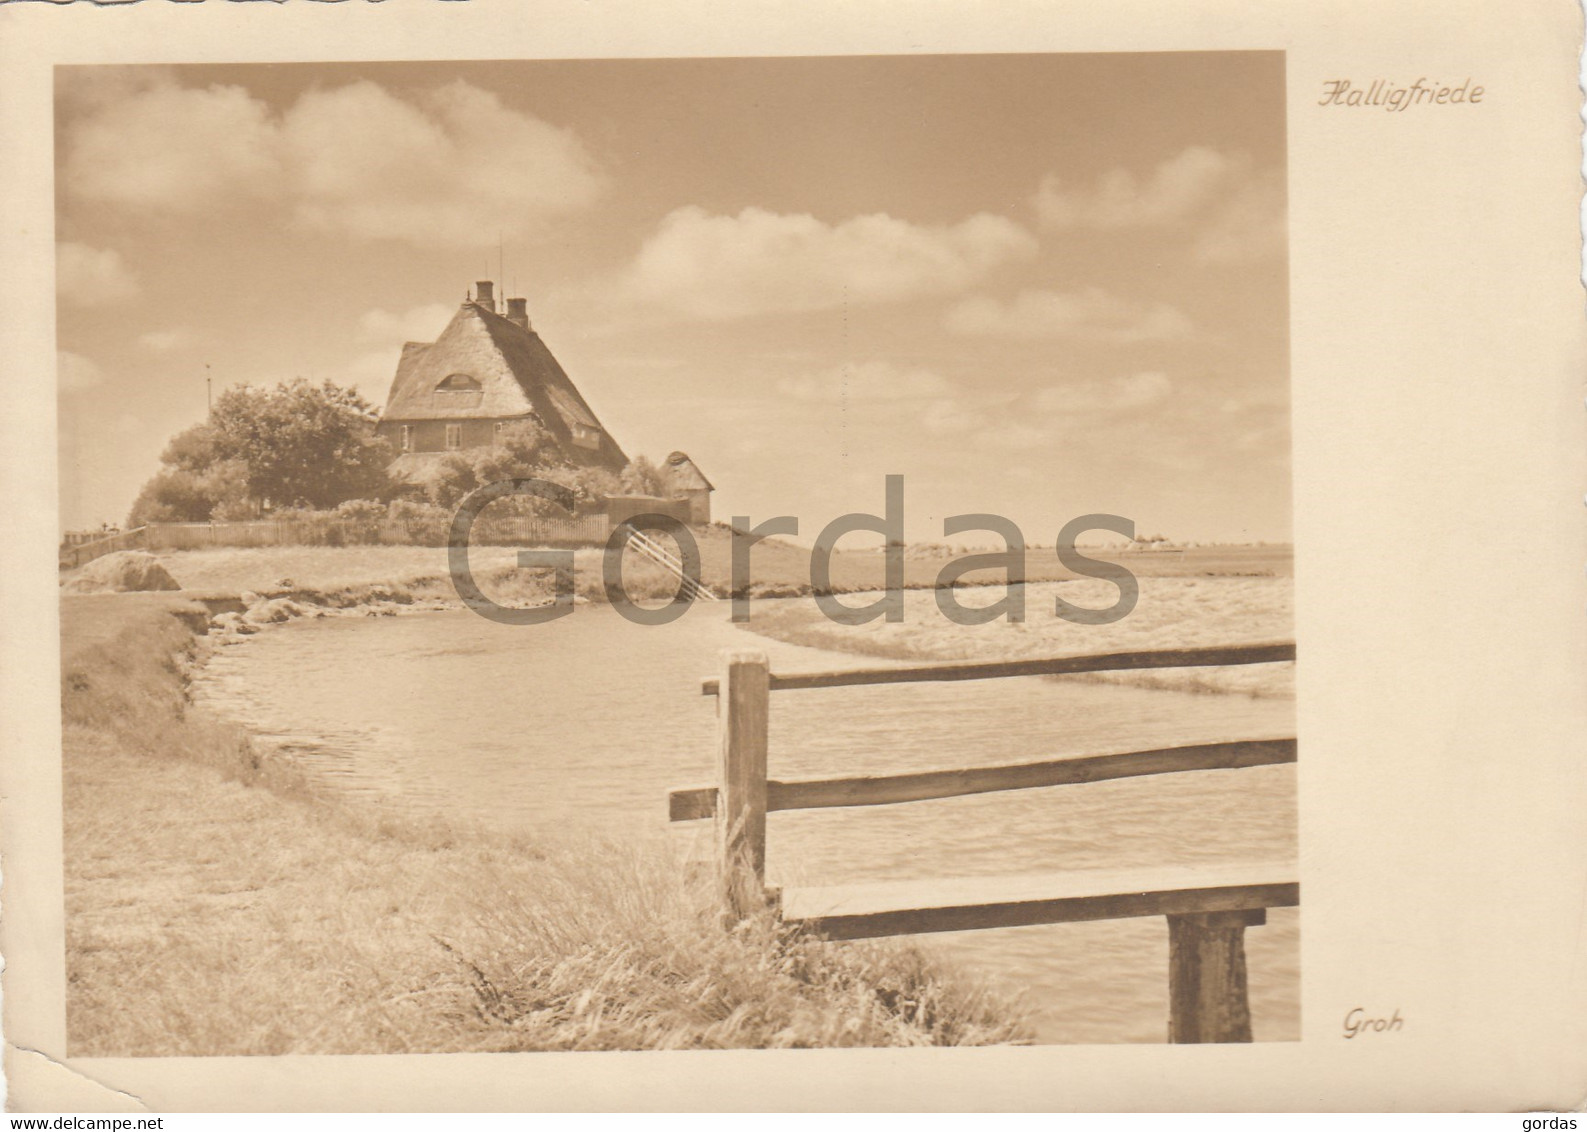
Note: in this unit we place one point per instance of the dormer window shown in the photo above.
(459, 383)
(585, 436)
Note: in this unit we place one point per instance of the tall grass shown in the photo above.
(217, 904)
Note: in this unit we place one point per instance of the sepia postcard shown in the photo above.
(882, 557)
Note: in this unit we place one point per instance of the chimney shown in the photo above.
(518, 311)
(485, 294)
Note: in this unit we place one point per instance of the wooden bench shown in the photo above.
(1207, 908)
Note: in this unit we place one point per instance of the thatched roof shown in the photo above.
(684, 475)
(484, 366)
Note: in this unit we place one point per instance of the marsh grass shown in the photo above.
(217, 904)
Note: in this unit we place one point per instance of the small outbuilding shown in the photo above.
(685, 481)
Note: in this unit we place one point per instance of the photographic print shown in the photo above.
(729, 559)
(691, 553)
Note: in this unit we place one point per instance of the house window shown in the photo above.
(454, 436)
(407, 438)
(458, 383)
(586, 437)
(501, 427)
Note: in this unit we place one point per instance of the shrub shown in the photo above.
(360, 521)
(423, 524)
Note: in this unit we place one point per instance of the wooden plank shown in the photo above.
(742, 721)
(692, 803)
(1208, 1000)
(1260, 653)
(971, 903)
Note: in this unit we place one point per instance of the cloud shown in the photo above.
(1115, 395)
(703, 266)
(1236, 209)
(453, 167)
(91, 277)
(164, 341)
(1177, 188)
(449, 166)
(1090, 313)
(865, 381)
(174, 149)
(1252, 225)
(75, 373)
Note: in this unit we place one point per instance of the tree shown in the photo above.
(451, 481)
(642, 477)
(295, 445)
(304, 445)
(197, 483)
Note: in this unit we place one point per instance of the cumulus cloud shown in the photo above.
(74, 373)
(704, 266)
(1252, 225)
(449, 166)
(1119, 199)
(91, 277)
(866, 381)
(1090, 313)
(172, 148)
(452, 167)
(1235, 208)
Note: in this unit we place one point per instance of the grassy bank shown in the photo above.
(217, 906)
(1172, 612)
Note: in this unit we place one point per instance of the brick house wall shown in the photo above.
(430, 436)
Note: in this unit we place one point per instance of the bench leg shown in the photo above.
(1207, 994)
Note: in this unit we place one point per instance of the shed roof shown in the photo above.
(683, 474)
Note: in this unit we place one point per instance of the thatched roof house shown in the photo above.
(484, 371)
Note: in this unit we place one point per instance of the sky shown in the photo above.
(1036, 285)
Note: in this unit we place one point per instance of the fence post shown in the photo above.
(1207, 994)
(742, 712)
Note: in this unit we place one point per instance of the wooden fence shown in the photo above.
(78, 553)
(588, 530)
(1207, 908)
